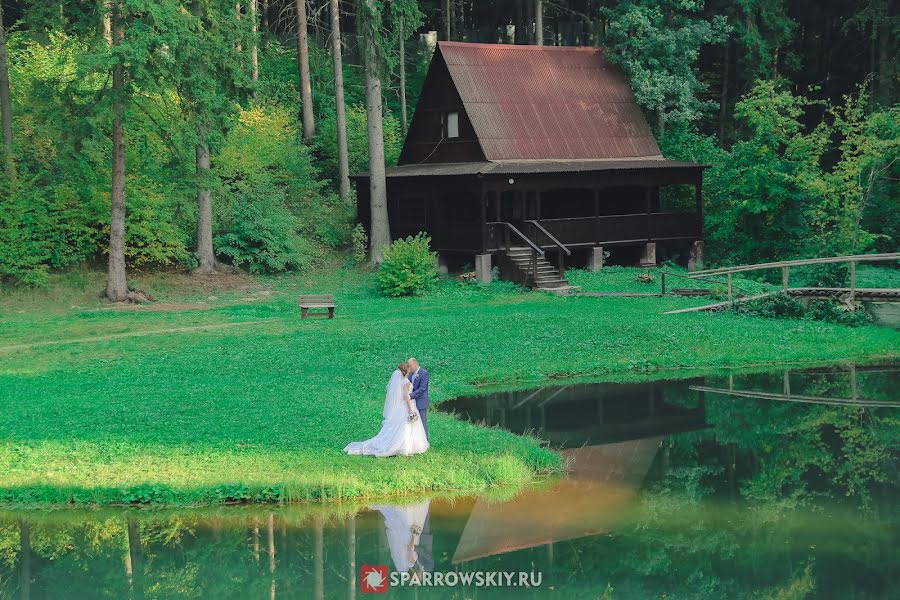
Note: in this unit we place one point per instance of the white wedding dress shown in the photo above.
(398, 436)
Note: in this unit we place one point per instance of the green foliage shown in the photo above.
(409, 267)
(777, 305)
(264, 237)
(658, 46)
(21, 258)
(790, 191)
(784, 306)
(359, 243)
(357, 141)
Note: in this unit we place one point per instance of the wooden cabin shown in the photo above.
(533, 157)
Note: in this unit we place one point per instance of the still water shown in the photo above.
(748, 485)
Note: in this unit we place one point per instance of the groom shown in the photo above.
(419, 379)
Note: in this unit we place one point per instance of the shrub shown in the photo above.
(359, 242)
(264, 237)
(776, 305)
(833, 312)
(782, 306)
(409, 267)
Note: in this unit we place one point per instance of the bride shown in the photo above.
(402, 433)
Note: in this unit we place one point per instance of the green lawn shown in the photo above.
(236, 398)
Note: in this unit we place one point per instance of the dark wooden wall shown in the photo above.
(424, 143)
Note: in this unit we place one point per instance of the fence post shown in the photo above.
(662, 280)
(784, 278)
(852, 280)
(730, 299)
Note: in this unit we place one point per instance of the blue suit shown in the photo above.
(419, 393)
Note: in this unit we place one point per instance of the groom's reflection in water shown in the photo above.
(409, 536)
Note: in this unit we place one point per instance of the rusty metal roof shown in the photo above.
(547, 102)
(531, 167)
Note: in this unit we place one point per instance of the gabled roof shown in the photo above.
(547, 102)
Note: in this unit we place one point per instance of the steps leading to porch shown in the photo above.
(548, 277)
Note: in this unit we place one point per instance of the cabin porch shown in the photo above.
(527, 222)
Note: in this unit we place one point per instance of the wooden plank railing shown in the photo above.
(561, 261)
(785, 266)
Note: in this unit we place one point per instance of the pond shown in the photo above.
(740, 485)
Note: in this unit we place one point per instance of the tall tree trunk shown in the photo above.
(265, 14)
(538, 22)
(5, 103)
(254, 45)
(448, 19)
(107, 22)
(723, 96)
(205, 253)
(885, 86)
(402, 78)
(340, 107)
(237, 12)
(309, 125)
(116, 283)
(24, 560)
(380, 234)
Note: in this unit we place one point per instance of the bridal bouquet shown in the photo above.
(413, 417)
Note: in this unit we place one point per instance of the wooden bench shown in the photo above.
(308, 301)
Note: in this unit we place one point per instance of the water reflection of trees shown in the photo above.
(803, 453)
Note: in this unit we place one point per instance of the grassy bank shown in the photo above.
(222, 393)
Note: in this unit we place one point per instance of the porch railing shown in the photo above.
(563, 251)
(508, 231)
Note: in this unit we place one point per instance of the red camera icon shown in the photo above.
(373, 579)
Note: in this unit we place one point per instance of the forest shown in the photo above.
(202, 135)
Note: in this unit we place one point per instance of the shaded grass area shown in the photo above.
(261, 411)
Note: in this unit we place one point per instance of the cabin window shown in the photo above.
(451, 124)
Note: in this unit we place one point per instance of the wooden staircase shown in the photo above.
(535, 271)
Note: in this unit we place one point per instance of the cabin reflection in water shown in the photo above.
(572, 416)
(603, 478)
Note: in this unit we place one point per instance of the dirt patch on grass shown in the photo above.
(188, 284)
(160, 307)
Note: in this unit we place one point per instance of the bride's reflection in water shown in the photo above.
(409, 536)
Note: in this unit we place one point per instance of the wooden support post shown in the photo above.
(596, 260)
(787, 384)
(784, 278)
(648, 199)
(730, 298)
(483, 220)
(854, 386)
(852, 280)
(662, 283)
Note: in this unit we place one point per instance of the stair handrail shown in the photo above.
(553, 239)
(534, 247)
